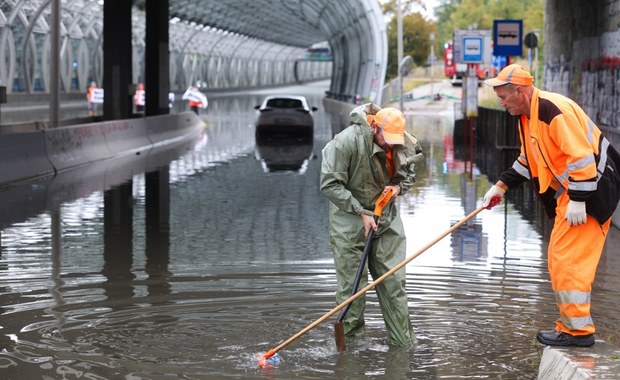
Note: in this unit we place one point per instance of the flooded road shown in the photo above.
(238, 261)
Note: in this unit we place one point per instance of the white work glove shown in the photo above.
(493, 197)
(576, 213)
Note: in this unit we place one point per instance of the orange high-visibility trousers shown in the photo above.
(573, 255)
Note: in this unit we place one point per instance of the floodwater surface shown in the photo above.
(238, 261)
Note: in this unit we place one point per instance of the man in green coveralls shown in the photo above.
(374, 153)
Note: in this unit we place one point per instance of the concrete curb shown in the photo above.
(601, 361)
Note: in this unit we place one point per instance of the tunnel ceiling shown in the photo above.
(354, 31)
(289, 22)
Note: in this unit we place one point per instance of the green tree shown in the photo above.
(389, 7)
(443, 23)
(416, 41)
(472, 14)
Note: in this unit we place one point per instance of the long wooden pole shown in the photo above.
(273, 351)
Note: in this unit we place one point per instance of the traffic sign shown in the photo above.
(499, 62)
(531, 41)
(472, 49)
(472, 46)
(507, 37)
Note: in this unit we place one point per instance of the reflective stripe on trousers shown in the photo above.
(574, 253)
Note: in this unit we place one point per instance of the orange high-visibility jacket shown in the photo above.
(89, 93)
(560, 150)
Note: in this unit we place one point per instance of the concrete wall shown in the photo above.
(582, 59)
(582, 56)
(40, 153)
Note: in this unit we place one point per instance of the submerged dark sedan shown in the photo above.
(284, 116)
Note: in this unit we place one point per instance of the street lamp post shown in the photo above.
(55, 65)
(399, 27)
(432, 37)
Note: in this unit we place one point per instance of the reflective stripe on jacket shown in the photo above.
(559, 145)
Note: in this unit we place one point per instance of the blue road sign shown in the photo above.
(472, 49)
(499, 61)
(507, 37)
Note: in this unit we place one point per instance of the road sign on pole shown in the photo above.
(472, 49)
(507, 37)
(472, 46)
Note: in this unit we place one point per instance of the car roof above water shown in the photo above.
(285, 101)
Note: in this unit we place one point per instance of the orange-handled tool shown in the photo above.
(383, 200)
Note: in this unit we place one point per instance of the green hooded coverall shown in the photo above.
(353, 176)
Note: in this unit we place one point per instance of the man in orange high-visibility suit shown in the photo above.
(573, 168)
(139, 98)
(90, 98)
(195, 98)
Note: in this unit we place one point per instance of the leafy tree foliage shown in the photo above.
(390, 6)
(416, 41)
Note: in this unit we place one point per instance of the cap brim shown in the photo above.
(494, 82)
(393, 138)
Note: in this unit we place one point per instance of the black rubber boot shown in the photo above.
(556, 338)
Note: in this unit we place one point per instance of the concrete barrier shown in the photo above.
(339, 112)
(34, 154)
(125, 136)
(73, 146)
(51, 192)
(78, 145)
(23, 156)
(168, 128)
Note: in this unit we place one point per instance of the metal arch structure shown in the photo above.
(223, 44)
(25, 45)
(353, 29)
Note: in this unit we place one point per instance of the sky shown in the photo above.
(428, 12)
(430, 5)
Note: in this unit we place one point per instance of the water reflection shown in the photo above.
(192, 268)
(157, 231)
(289, 153)
(118, 243)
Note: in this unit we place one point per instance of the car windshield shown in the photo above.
(284, 103)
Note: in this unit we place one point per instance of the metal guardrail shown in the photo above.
(497, 128)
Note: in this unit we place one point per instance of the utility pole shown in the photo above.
(432, 36)
(399, 26)
(55, 65)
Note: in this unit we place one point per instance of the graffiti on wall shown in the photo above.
(591, 77)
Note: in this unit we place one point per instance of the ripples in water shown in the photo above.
(247, 265)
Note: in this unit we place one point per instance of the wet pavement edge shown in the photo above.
(601, 361)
